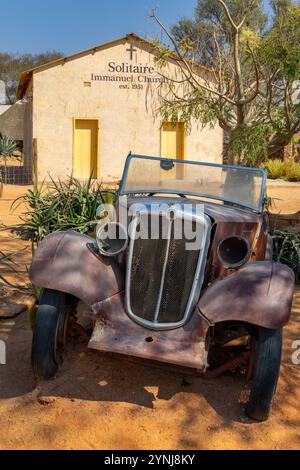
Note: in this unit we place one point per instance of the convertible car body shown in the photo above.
(181, 273)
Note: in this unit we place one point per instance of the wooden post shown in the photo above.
(34, 162)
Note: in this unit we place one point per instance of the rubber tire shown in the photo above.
(266, 374)
(43, 360)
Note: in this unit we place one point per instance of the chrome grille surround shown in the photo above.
(161, 270)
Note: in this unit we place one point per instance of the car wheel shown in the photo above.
(266, 372)
(49, 334)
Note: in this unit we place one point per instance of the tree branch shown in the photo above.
(254, 95)
(228, 14)
(195, 83)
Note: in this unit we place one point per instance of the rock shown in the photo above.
(15, 303)
(17, 154)
(46, 401)
(8, 310)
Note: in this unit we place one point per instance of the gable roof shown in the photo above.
(26, 76)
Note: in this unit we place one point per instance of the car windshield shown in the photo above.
(233, 184)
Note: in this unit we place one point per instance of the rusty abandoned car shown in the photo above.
(200, 291)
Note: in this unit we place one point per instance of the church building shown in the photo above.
(85, 113)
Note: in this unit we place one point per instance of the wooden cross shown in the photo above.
(131, 50)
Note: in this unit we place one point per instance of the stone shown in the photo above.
(15, 303)
(8, 310)
(17, 154)
(46, 401)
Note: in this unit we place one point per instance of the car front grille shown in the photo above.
(164, 279)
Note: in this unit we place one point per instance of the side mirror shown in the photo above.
(167, 165)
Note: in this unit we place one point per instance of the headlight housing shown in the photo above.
(233, 252)
(112, 238)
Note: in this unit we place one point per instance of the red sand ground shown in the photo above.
(107, 402)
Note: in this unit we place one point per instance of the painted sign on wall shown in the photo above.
(133, 76)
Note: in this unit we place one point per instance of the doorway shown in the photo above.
(85, 162)
(172, 140)
(173, 146)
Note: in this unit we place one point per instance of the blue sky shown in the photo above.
(73, 25)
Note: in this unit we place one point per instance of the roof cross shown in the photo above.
(131, 50)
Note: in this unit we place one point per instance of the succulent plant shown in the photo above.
(7, 146)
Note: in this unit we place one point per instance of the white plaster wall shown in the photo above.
(127, 116)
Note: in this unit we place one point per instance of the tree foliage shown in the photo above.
(210, 19)
(12, 65)
(252, 86)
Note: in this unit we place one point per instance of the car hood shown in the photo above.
(218, 212)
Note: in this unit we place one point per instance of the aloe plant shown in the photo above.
(7, 148)
(65, 205)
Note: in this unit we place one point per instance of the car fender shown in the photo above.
(69, 262)
(261, 293)
(269, 248)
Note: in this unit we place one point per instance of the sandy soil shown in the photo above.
(103, 401)
(107, 402)
(285, 197)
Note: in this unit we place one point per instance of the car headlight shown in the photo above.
(233, 252)
(112, 238)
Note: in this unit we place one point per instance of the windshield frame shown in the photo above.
(123, 192)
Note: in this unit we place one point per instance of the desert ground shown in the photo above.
(101, 401)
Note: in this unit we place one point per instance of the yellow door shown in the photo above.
(172, 145)
(85, 148)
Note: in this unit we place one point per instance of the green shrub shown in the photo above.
(287, 250)
(7, 146)
(274, 169)
(65, 205)
(286, 170)
(292, 171)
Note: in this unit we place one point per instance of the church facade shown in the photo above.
(85, 113)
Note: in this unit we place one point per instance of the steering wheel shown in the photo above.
(153, 194)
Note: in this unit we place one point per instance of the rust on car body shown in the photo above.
(69, 262)
(218, 306)
(260, 293)
(115, 332)
(228, 221)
